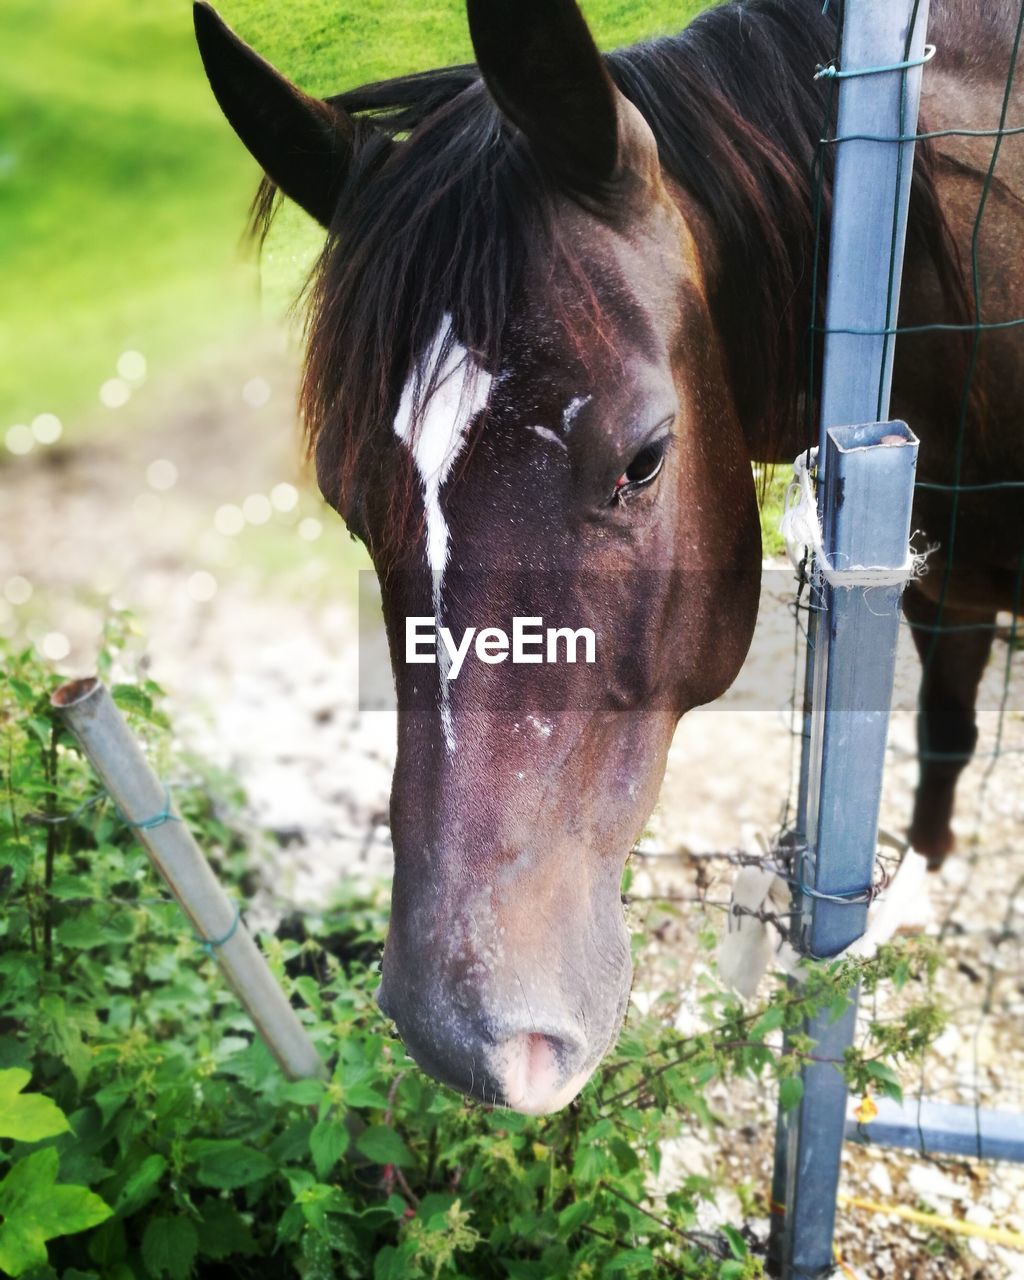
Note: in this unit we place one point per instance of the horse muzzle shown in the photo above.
(512, 1036)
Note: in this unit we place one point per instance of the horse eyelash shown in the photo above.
(620, 497)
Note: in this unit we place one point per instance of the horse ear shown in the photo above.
(303, 143)
(544, 71)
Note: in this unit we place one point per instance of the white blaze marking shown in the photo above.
(460, 390)
(552, 437)
(572, 409)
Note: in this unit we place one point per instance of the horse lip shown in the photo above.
(380, 995)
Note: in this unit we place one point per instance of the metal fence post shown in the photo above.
(868, 488)
(865, 496)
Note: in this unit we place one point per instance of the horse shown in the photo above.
(562, 306)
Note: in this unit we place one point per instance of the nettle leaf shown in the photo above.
(111, 1098)
(573, 1216)
(362, 1086)
(169, 1246)
(35, 1208)
(383, 1145)
(365, 1095)
(27, 1117)
(328, 1142)
(223, 1231)
(791, 1090)
(141, 1186)
(631, 1261)
(590, 1164)
(68, 885)
(389, 1264)
(306, 1093)
(64, 1035)
(772, 1018)
(15, 863)
(888, 1080)
(226, 1164)
(132, 698)
(737, 1244)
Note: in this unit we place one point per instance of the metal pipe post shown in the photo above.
(117, 758)
(870, 198)
(869, 483)
(854, 653)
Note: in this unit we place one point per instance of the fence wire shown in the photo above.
(980, 924)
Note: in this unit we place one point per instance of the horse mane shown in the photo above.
(446, 223)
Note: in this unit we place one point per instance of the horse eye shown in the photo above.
(644, 467)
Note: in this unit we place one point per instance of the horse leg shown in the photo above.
(946, 726)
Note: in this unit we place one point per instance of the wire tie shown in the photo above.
(209, 944)
(829, 71)
(157, 820)
(853, 897)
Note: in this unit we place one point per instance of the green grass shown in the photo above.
(120, 201)
(771, 507)
(123, 191)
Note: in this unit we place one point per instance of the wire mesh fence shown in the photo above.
(977, 898)
(962, 619)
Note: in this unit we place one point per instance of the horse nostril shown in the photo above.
(538, 1073)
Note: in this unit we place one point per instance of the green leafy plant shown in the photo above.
(146, 1132)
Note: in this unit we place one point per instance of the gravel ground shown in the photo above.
(243, 585)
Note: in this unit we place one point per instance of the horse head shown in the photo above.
(518, 398)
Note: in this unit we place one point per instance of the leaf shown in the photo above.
(67, 885)
(772, 1018)
(383, 1145)
(223, 1231)
(108, 1246)
(36, 1209)
(64, 1035)
(388, 1264)
(791, 1090)
(737, 1244)
(169, 1247)
(364, 1095)
(328, 1142)
(628, 1260)
(573, 1216)
(27, 1117)
(591, 1162)
(888, 1080)
(305, 1093)
(129, 697)
(226, 1164)
(141, 1186)
(625, 1157)
(15, 864)
(111, 1098)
